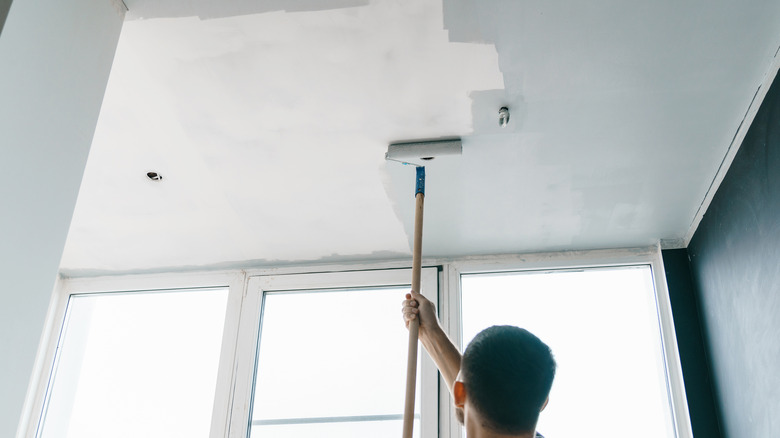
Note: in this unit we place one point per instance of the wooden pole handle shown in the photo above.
(414, 325)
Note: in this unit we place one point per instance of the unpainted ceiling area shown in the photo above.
(268, 121)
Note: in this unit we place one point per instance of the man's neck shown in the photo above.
(488, 434)
(475, 429)
(481, 432)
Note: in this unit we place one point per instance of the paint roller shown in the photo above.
(414, 153)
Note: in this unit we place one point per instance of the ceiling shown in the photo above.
(268, 121)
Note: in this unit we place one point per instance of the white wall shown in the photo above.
(55, 58)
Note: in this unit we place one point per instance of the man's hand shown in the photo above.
(416, 306)
(433, 338)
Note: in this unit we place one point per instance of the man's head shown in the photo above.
(506, 375)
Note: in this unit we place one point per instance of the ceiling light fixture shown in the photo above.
(154, 176)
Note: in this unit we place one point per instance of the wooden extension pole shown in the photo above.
(414, 325)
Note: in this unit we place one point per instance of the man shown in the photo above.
(501, 382)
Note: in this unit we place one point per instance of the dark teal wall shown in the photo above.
(690, 341)
(735, 265)
(5, 5)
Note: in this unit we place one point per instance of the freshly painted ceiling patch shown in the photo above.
(240, 104)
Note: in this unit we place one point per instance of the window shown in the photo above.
(136, 364)
(602, 325)
(330, 364)
(286, 354)
(332, 356)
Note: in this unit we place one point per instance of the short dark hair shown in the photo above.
(508, 373)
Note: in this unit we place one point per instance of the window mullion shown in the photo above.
(246, 354)
(450, 317)
(223, 394)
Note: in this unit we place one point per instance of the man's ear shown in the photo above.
(547, 400)
(459, 393)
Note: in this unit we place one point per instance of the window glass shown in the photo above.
(603, 328)
(332, 363)
(140, 364)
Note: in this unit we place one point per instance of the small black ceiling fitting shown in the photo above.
(503, 117)
(154, 176)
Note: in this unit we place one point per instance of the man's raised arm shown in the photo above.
(436, 342)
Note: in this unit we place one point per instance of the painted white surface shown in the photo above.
(269, 127)
(55, 59)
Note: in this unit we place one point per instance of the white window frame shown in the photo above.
(250, 332)
(649, 256)
(43, 372)
(237, 360)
